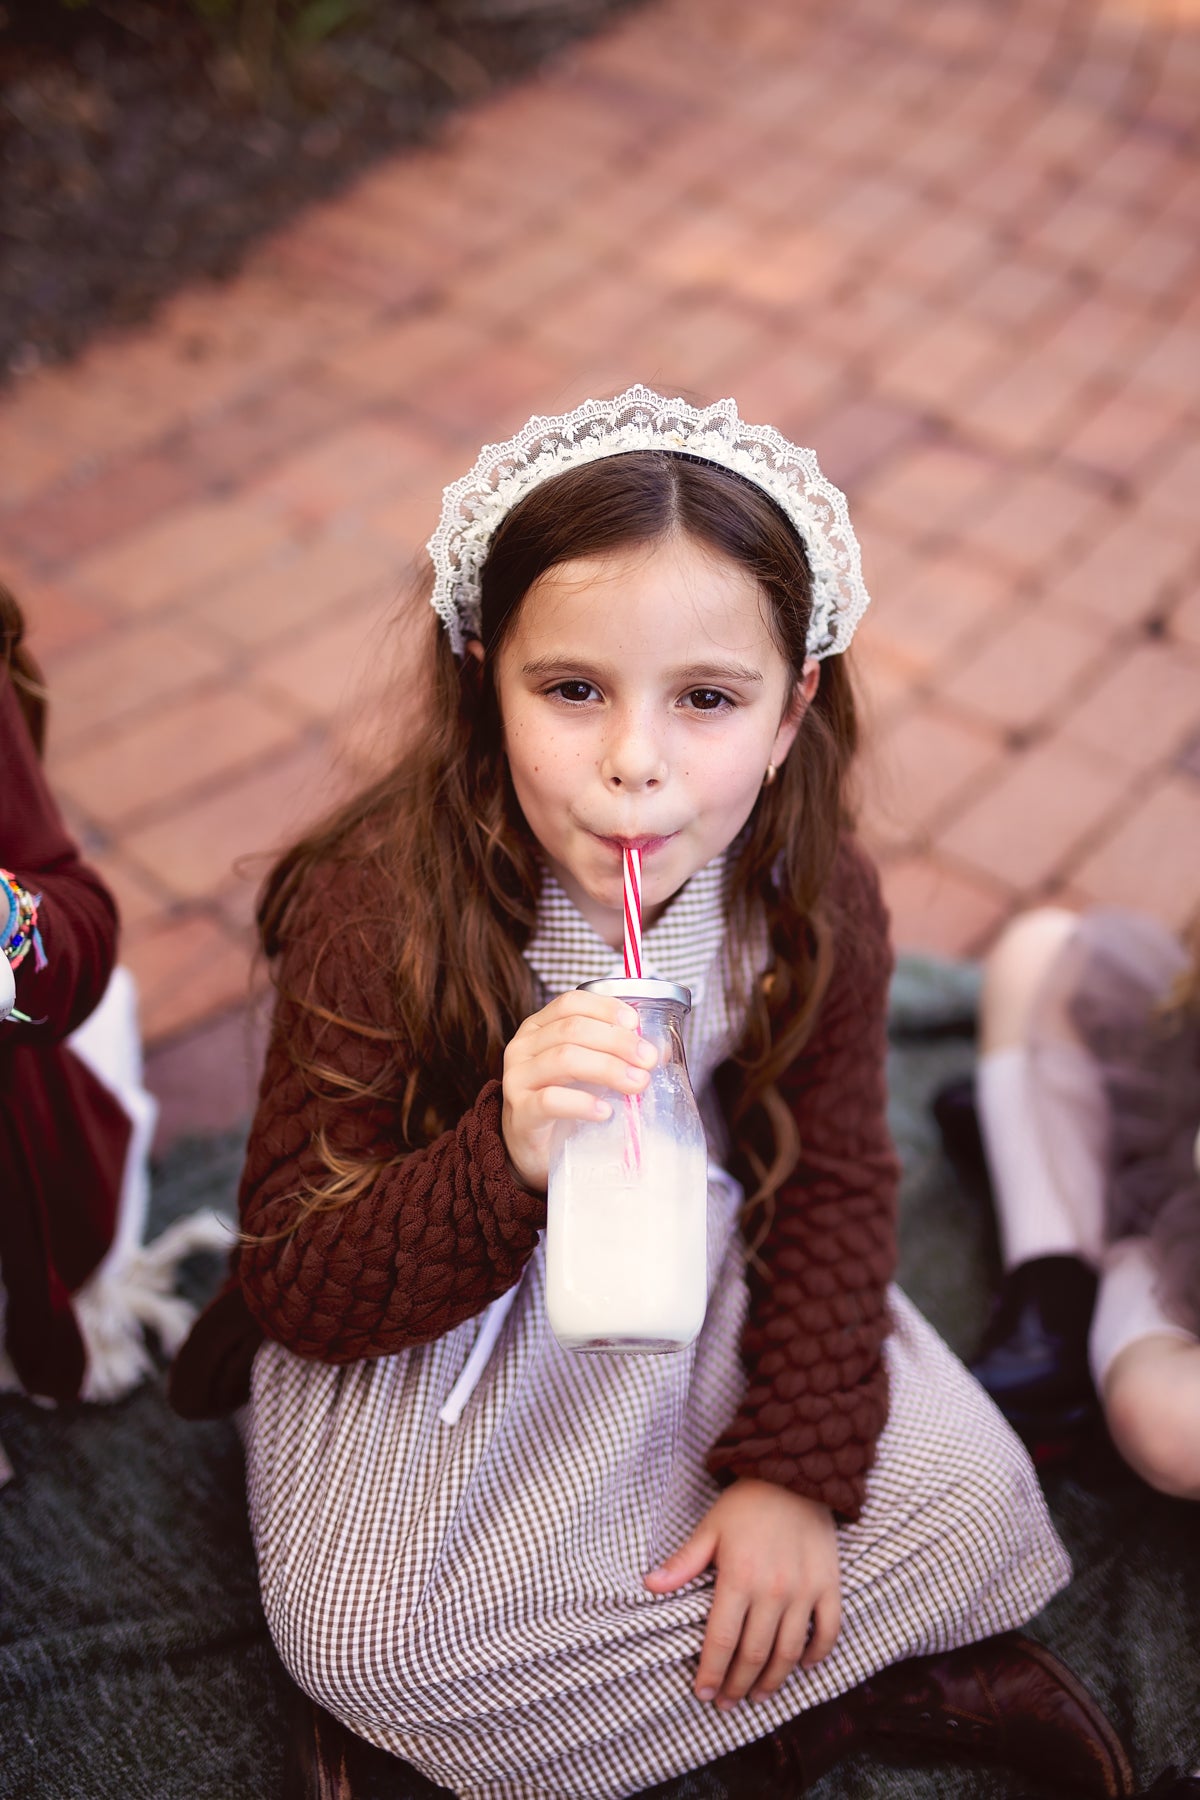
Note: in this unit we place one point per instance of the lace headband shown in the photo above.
(639, 419)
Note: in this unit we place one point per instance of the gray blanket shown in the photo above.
(134, 1662)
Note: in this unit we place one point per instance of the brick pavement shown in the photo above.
(954, 247)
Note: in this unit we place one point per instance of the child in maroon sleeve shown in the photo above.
(75, 1122)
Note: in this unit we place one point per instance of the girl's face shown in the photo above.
(642, 698)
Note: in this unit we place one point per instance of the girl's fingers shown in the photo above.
(722, 1636)
(582, 1032)
(690, 1560)
(827, 1622)
(755, 1648)
(790, 1640)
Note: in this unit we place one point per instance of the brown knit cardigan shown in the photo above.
(446, 1230)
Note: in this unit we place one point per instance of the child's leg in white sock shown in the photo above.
(1043, 1123)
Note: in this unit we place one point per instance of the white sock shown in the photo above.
(1045, 1149)
(1127, 1305)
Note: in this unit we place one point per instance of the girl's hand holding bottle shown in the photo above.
(580, 1038)
(776, 1559)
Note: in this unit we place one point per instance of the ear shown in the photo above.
(474, 647)
(800, 700)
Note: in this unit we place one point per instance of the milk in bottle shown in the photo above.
(626, 1265)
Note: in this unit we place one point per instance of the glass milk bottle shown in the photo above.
(626, 1260)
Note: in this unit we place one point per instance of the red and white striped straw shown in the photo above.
(633, 914)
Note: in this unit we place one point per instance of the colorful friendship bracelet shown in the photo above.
(19, 922)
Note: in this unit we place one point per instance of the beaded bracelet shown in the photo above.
(19, 922)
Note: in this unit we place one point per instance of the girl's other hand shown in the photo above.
(777, 1598)
(578, 1038)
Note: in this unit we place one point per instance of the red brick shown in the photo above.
(920, 766)
(1170, 363)
(183, 551)
(187, 970)
(140, 901)
(858, 436)
(607, 314)
(941, 154)
(1155, 263)
(933, 369)
(870, 319)
(1145, 708)
(396, 356)
(789, 267)
(950, 250)
(928, 489)
(1018, 295)
(124, 673)
(698, 342)
(335, 669)
(1029, 407)
(1185, 620)
(244, 440)
(1123, 434)
(938, 911)
(883, 682)
(121, 496)
(1082, 232)
(159, 760)
(56, 620)
(871, 212)
(1028, 670)
(30, 461)
(369, 258)
(1010, 190)
(945, 604)
(485, 397)
(1029, 522)
(302, 583)
(528, 278)
(192, 850)
(791, 387)
(344, 471)
(1150, 860)
(1100, 336)
(1130, 570)
(1173, 489)
(1026, 827)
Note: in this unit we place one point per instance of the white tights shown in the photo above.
(1046, 1153)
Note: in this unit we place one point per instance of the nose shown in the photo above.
(633, 758)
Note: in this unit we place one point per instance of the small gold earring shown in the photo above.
(769, 778)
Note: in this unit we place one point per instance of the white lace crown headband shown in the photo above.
(639, 419)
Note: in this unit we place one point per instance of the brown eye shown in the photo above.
(708, 699)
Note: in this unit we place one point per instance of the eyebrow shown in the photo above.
(695, 672)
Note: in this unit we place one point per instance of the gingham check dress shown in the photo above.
(470, 1596)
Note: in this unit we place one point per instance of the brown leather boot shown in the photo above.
(1005, 1700)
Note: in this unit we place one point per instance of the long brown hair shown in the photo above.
(448, 841)
(18, 660)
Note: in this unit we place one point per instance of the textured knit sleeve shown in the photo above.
(76, 918)
(434, 1237)
(816, 1398)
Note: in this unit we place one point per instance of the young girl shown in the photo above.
(1089, 1101)
(534, 1572)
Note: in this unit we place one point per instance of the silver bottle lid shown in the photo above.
(618, 987)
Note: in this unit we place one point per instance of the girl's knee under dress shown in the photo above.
(471, 1597)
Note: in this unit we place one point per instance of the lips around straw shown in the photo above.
(633, 914)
